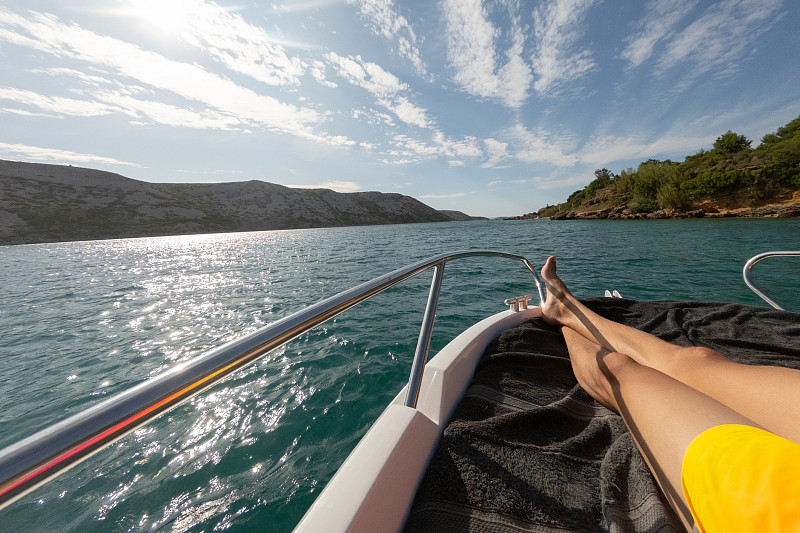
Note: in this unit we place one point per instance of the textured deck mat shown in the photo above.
(528, 450)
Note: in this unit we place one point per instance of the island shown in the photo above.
(51, 203)
(730, 180)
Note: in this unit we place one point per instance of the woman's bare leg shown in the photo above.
(563, 309)
(768, 395)
(663, 414)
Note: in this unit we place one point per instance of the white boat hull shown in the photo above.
(375, 486)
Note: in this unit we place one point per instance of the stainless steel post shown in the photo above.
(424, 340)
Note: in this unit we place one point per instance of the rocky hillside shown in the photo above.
(744, 202)
(458, 215)
(730, 180)
(49, 203)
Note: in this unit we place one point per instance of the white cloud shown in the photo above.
(438, 196)
(721, 37)
(545, 184)
(685, 136)
(604, 150)
(384, 86)
(540, 146)
(53, 154)
(515, 182)
(45, 33)
(317, 70)
(515, 75)
(387, 89)
(384, 20)
(408, 112)
(395, 161)
(169, 115)
(58, 105)
(454, 163)
(107, 102)
(88, 79)
(25, 113)
(466, 147)
(497, 152)
(557, 61)
(369, 76)
(661, 17)
(471, 41)
(338, 186)
(215, 171)
(374, 117)
(224, 36)
(413, 150)
(99, 102)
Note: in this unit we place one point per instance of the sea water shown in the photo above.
(85, 320)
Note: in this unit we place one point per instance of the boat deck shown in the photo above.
(528, 450)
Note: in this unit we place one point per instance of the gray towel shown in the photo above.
(528, 450)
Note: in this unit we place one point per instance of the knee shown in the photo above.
(602, 374)
(697, 358)
(615, 364)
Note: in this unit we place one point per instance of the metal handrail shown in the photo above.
(748, 279)
(47, 453)
(424, 340)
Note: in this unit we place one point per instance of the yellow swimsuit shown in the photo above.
(741, 478)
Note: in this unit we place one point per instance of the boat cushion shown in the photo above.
(528, 450)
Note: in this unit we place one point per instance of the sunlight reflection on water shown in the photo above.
(87, 320)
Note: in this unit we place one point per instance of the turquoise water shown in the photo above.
(82, 321)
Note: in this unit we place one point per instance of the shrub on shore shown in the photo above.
(731, 164)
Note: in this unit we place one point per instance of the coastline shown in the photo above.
(788, 208)
(41, 203)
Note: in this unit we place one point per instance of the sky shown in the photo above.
(494, 108)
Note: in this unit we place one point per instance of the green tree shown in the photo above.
(731, 164)
(731, 143)
(603, 177)
(670, 196)
(789, 131)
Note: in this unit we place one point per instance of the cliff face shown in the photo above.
(48, 203)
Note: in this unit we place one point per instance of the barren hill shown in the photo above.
(458, 215)
(48, 203)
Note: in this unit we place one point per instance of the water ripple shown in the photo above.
(82, 321)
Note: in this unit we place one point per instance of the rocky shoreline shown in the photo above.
(662, 214)
(786, 209)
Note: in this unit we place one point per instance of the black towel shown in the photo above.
(528, 450)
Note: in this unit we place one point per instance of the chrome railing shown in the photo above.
(748, 278)
(42, 456)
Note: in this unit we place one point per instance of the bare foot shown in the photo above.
(557, 307)
(561, 308)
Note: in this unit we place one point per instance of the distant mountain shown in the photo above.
(458, 215)
(49, 203)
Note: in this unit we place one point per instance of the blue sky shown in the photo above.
(493, 108)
